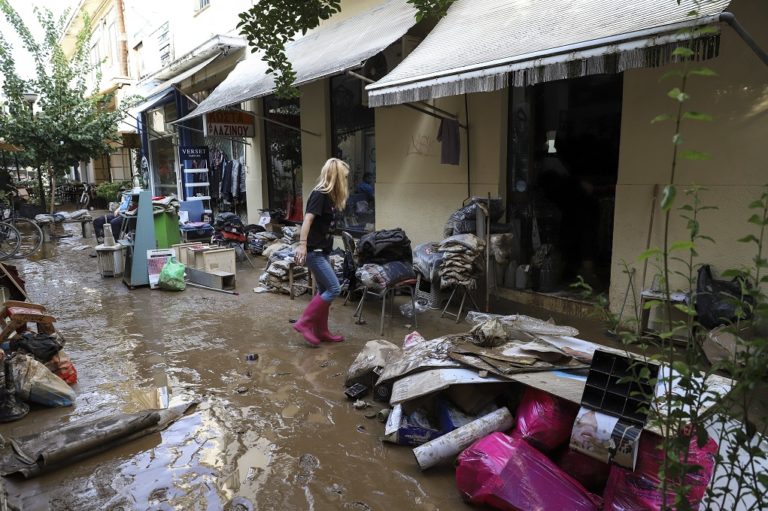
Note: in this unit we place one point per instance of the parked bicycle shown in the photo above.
(10, 241)
(29, 232)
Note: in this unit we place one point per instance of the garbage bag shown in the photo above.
(590, 472)
(172, 276)
(543, 420)
(507, 473)
(42, 346)
(37, 384)
(716, 300)
(641, 490)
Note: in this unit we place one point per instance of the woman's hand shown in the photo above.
(300, 254)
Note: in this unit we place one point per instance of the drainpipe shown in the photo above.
(123, 42)
(730, 19)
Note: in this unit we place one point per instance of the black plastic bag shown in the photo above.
(717, 301)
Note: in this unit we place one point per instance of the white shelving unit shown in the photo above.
(201, 190)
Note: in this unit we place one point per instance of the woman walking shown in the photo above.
(315, 244)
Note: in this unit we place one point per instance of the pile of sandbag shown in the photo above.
(461, 264)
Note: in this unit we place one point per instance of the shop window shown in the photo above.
(226, 166)
(353, 140)
(562, 172)
(162, 151)
(283, 144)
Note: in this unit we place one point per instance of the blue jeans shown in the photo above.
(322, 271)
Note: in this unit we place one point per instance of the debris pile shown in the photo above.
(518, 402)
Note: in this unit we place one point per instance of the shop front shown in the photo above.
(546, 129)
(331, 117)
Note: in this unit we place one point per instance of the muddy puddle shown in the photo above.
(273, 433)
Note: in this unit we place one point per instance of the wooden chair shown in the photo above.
(15, 315)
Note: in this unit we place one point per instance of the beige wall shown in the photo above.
(315, 117)
(738, 98)
(413, 189)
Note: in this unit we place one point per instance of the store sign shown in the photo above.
(229, 123)
(193, 153)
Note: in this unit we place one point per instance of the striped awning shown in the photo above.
(327, 50)
(486, 45)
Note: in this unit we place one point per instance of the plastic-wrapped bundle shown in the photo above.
(543, 420)
(641, 490)
(463, 220)
(509, 474)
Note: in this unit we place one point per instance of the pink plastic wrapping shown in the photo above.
(543, 420)
(591, 473)
(509, 474)
(641, 490)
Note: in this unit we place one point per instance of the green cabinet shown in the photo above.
(167, 230)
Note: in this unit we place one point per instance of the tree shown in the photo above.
(71, 123)
(270, 24)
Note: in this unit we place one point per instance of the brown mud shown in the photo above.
(274, 433)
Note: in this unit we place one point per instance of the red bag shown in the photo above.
(641, 490)
(543, 420)
(509, 474)
(590, 472)
(61, 365)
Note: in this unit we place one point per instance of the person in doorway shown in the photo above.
(367, 186)
(315, 243)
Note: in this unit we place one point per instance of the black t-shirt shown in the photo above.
(321, 205)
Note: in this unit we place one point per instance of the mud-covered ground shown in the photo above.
(275, 433)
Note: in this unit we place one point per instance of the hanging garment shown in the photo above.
(448, 136)
(226, 181)
(235, 179)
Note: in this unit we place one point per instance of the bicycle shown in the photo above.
(10, 241)
(30, 233)
(86, 196)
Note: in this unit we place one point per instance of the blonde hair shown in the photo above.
(334, 181)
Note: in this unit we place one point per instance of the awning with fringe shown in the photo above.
(327, 50)
(487, 45)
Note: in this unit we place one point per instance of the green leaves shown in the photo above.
(695, 155)
(668, 197)
(697, 116)
(660, 118)
(677, 94)
(270, 24)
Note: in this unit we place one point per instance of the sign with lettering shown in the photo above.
(229, 123)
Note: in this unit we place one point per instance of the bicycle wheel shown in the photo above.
(31, 236)
(10, 240)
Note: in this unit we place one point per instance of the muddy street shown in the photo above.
(274, 433)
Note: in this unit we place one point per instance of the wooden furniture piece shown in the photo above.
(15, 315)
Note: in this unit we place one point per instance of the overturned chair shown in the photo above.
(15, 315)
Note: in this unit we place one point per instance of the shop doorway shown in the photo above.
(282, 140)
(353, 140)
(562, 172)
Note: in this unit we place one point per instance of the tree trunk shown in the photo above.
(52, 182)
(40, 186)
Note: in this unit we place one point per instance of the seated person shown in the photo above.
(115, 219)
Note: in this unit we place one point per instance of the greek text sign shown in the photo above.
(229, 123)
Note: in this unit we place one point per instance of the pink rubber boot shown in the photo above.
(307, 324)
(322, 325)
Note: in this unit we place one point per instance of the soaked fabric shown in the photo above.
(31, 455)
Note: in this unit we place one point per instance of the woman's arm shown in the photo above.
(301, 251)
